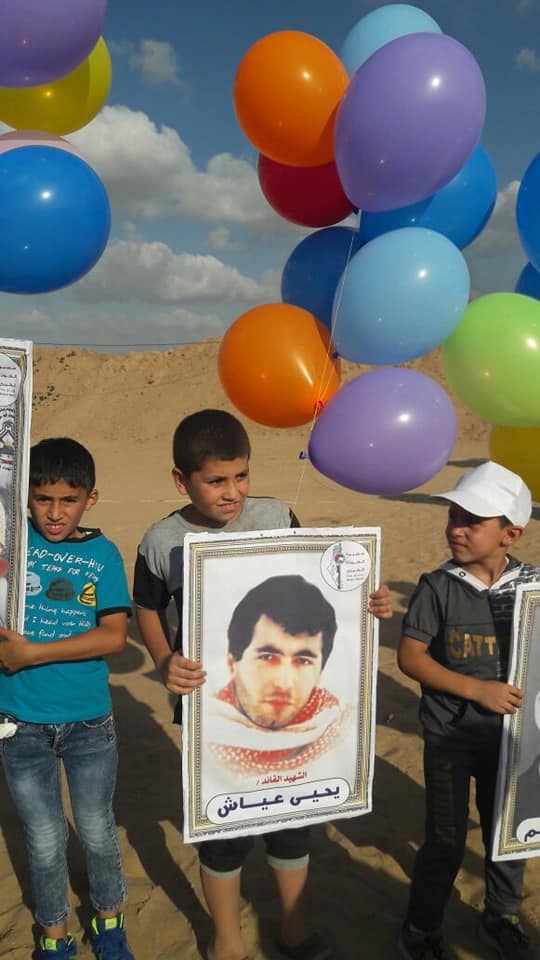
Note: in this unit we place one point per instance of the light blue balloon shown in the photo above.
(402, 295)
(380, 27)
(459, 210)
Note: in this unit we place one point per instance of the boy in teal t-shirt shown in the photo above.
(55, 702)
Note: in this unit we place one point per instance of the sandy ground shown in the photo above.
(125, 409)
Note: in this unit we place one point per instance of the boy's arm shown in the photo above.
(17, 652)
(179, 674)
(416, 662)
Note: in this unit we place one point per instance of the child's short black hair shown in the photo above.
(208, 433)
(60, 458)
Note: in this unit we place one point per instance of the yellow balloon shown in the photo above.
(518, 449)
(64, 105)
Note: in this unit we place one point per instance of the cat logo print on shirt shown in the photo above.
(87, 595)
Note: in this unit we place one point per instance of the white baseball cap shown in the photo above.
(491, 490)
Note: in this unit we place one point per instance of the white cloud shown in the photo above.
(496, 258)
(527, 59)
(271, 286)
(500, 235)
(155, 60)
(220, 238)
(150, 174)
(153, 273)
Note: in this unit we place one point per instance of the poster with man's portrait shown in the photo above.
(517, 805)
(282, 731)
(15, 416)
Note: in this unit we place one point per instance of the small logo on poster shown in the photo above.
(528, 831)
(345, 565)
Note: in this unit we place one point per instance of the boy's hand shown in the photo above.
(181, 675)
(499, 697)
(15, 651)
(380, 603)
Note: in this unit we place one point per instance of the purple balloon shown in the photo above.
(384, 432)
(412, 115)
(42, 40)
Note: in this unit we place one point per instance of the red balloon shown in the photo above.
(310, 196)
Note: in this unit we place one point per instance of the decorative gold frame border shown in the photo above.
(508, 844)
(297, 541)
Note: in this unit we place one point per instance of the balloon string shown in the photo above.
(326, 371)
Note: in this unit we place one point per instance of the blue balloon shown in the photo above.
(527, 207)
(55, 218)
(529, 282)
(313, 271)
(402, 295)
(379, 27)
(460, 210)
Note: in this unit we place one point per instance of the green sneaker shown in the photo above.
(51, 949)
(505, 934)
(416, 945)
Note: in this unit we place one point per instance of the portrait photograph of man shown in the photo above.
(274, 713)
(290, 653)
(15, 416)
(527, 796)
(517, 805)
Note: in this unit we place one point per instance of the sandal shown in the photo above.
(314, 947)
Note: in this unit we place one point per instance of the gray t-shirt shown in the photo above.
(159, 568)
(467, 627)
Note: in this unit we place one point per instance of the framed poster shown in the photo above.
(282, 732)
(517, 804)
(15, 416)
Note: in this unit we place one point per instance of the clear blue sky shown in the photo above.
(193, 243)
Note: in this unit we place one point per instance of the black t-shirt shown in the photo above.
(467, 627)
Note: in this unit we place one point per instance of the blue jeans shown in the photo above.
(31, 761)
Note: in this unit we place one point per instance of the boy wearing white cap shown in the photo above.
(455, 643)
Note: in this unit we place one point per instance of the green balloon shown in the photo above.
(492, 359)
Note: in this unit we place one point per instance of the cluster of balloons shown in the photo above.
(55, 75)
(392, 127)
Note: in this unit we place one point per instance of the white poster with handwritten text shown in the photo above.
(282, 732)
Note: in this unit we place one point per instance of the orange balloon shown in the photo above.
(286, 94)
(275, 364)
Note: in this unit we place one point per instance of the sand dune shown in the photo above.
(125, 409)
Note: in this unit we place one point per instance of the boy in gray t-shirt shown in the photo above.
(455, 643)
(211, 466)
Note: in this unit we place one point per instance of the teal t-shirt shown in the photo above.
(69, 586)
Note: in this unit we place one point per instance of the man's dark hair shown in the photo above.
(208, 433)
(60, 458)
(290, 601)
